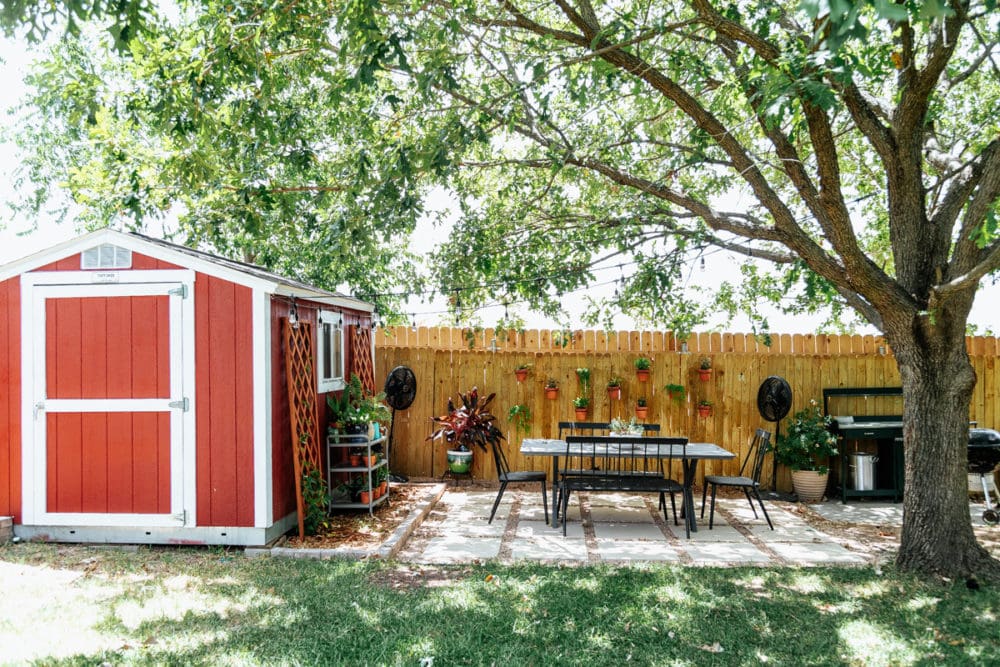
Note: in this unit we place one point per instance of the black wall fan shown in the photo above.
(774, 400)
(400, 391)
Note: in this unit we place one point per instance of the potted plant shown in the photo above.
(354, 411)
(615, 388)
(583, 375)
(551, 389)
(641, 409)
(622, 427)
(642, 365)
(469, 425)
(704, 408)
(520, 416)
(705, 369)
(521, 372)
(675, 391)
(804, 447)
(581, 403)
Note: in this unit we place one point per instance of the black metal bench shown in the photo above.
(597, 463)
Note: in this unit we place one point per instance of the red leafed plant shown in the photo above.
(469, 424)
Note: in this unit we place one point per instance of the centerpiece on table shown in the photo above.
(622, 427)
(805, 448)
(469, 425)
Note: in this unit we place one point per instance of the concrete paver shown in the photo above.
(629, 528)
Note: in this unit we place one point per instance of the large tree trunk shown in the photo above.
(938, 380)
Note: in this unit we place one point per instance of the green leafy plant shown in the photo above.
(551, 383)
(705, 364)
(355, 408)
(522, 367)
(806, 441)
(581, 402)
(520, 416)
(583, 375)
(643, 363)
(676, 391)
(704, 403)
(314, 500)
(622, 427)
(615, 381)
(640, 402)
(471, 424)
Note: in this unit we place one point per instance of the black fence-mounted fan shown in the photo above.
(774, 400)
(400, 391)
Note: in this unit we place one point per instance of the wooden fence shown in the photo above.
(446, 361)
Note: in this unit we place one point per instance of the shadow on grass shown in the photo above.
(207, 608)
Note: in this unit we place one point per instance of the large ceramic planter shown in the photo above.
(459, 462)
(810, 486)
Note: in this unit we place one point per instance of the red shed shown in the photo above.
(144, 391)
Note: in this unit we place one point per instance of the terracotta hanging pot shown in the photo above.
(581, 414)
(521, 374)
(551, 393)
(705, 374)
(641, 411)
(642, 375)
(614, 393)
(704, 410)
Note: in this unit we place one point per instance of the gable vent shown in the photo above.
(106, 256)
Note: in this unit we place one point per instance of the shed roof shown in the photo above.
(214, 265)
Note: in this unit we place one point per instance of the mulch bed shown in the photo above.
(357, 529)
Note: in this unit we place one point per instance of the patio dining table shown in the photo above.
(692, 453)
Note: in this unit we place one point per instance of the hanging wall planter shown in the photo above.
(641, 409)
(705, 370)
(642, 365)
(705, 409)
(521, 373)
(615, 389)
(551, 390)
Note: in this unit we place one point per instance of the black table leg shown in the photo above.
(555, 495)
(690, 467)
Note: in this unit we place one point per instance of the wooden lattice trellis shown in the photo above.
(301, 371)
(361, 353)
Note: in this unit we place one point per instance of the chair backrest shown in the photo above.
(753, 464)
(611, 457)
(500, 458)
(596, 428)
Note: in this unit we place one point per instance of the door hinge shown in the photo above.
(181, 291)
(181, 404)
(181, 516)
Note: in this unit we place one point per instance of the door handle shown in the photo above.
(39, 407)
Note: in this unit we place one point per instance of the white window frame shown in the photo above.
(336, 321)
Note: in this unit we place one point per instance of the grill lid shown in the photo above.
(984, 437)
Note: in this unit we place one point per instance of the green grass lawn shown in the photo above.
(78, 605)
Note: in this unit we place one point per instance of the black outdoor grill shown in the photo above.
(984, 455)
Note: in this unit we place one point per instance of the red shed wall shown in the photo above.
(283, 473)
(224, 402)
(10, 398)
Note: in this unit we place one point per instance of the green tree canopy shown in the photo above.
(850, 149)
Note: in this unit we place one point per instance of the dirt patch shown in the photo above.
(357, 529)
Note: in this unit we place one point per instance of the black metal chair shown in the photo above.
(748, 480)
(630, 463)
(506, 476)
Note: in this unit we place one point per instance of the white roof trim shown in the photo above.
(253, 277)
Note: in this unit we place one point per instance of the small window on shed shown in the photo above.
(106, 256)
(330, 351)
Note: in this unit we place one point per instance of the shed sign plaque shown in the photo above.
(105, 277)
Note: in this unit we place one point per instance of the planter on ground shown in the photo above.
(459, 462)
(810, 486)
